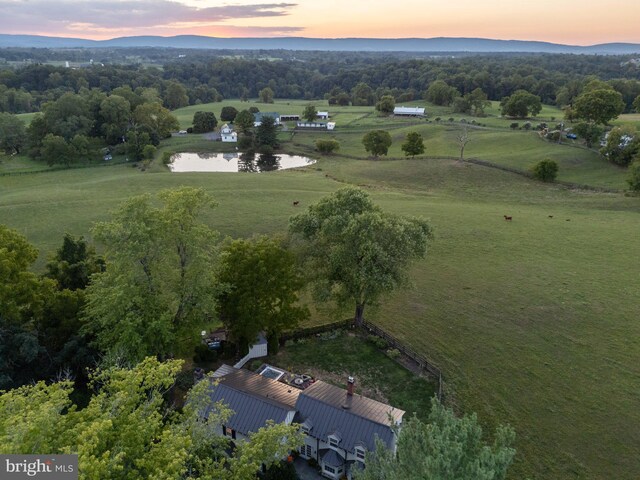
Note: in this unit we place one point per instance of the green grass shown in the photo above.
(534, 321)
(334, 357)
(27, 117)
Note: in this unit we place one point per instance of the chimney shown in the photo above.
(350, 383)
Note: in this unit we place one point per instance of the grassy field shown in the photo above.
(534, 321)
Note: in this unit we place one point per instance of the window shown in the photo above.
(228, 432)
(306, 451)
(329, 469)
(333, 442)
(360, 454)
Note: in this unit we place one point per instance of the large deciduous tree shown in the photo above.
(266, 95)
(158, 290)
(445, 447)
(127, 430)
(439, 93)
(262, 284)
(228, 113)
(377, 142)
(156, 119)
(354, 252)
(115, 115)
(12, 133)
(521, 104)
(175, 96)
(386, 104)
(310, 113)
(413, 145)
(243, 121)
(204, 122)
(599, 106)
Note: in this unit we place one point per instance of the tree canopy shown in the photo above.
(377, 142)
(12, 134)
(262, 283)
(354, 252)
(440, 93)
(127, 431)
(310, 113)
(413, 145)
(442, 448)
(521, 104)
(159, 285)
(599, 106)
(204, 122)
(386, 104)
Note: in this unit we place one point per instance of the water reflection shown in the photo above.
(235, 162)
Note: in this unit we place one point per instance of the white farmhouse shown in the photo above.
(227, 134)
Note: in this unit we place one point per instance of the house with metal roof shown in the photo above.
(340, 425)
(409, 111)
(258, 116)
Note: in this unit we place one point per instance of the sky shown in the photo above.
(577, 22)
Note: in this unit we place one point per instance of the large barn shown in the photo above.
(409, 111)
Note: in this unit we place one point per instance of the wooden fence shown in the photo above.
(420, 360)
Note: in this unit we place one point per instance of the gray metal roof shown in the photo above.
(358, 425)
(250, 411)
(331, 458)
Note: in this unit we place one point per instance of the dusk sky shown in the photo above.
(579, 22)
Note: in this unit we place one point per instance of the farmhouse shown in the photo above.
(257, 117)
(409, 111)
(340, 425)
(322, 115)
(227, 134)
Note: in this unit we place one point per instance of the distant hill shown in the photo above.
(441, 44)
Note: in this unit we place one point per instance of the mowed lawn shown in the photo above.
(534, 321)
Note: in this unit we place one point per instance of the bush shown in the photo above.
(437, 119)
(393, 353)
(527, 125)
(254, 109)
(148, 152)
(451, 119)
(166, 158)
(514, 126)
(190, 130)
(378, 342)
(281, 471)
(327, 146)
(545, 170)
(202, 354)
(634, 176)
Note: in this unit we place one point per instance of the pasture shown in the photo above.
(534, 321)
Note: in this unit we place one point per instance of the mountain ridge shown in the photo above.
(435, 44)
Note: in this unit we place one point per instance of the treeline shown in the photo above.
(556, 79)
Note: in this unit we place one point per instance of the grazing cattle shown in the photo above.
(507, 218)
(568, 219)
(296, 203)
(550, 216)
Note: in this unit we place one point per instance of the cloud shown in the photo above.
(65, 16)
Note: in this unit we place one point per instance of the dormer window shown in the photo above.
(360, 453)
(333, 442)
(334, 439)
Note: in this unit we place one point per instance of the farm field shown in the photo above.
(534, 321)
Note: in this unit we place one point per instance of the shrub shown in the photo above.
(166, 158)
(378, 342)
(327, 146)
(393, 353)
(545, 170)
(634, 176)
(438, 119)
(202, 354)
(190, 130)
(148, 152)
(527, 125)
(514, 125)
(451, 119)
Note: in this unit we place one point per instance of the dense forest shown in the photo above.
(209, 76)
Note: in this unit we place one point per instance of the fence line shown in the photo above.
(371, 329)
(420, 360)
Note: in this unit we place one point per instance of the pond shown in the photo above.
(235, 162)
